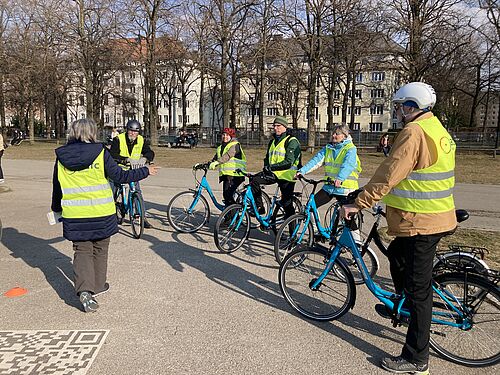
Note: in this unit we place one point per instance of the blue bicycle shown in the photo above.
(129, 200)
(466, 308)
(234, 224)
(298, 230)
(189, 210)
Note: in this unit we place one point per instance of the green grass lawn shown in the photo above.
(474, 169)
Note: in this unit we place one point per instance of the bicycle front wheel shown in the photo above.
(232, 228)
(120, 207)
(477, 342)
(330, 300)
(292, 233)
(137, 214)
(185, 217)
(279, 215)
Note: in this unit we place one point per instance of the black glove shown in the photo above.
(267, 170)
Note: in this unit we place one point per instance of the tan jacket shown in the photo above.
(411, 150)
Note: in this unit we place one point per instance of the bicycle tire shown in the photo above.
(458, 261)
(331, 300)
(369, 258)
(478, 345)
(120, 207)
(284, 244)
(137, 214)
(180, 219)
(227, 226)
(330, 215)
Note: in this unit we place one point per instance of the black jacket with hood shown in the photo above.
(77, 156)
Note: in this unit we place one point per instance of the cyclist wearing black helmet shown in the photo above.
(130, 145)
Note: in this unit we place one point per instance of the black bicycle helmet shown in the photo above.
(134, 125)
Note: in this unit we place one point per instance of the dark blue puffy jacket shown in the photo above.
(77, 156)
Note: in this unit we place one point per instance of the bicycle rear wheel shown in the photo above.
(334, 296)
(184, 217)
(137, 214)
(478, 300)
(232, 228)
(291, 234)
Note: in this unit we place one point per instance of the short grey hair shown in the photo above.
(342, 129)
(84, 130)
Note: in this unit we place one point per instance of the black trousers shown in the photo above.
(90, 265)
(1, 172)
(229, 186)
(286, 188)
(411, 260)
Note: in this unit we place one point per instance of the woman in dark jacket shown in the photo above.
(83, 196)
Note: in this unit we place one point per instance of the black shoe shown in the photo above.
(399, 365)
(386, 313)
(147, 225)
(106, 288)
(88, 302)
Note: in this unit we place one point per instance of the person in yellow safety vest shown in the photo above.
(130, 145)
(283, 159)
(229, 158)
(342, 166)
(82, 195)
(416, 183)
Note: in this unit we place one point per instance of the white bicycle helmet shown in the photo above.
(421, 94)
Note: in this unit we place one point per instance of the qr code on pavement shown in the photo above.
(49, 352)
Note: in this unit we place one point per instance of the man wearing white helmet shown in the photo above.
(416, 183)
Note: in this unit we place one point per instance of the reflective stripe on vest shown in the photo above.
(86, 193)
(277, 154)
(136, 150)
(429, 190)
(229, 168)
(333, 165)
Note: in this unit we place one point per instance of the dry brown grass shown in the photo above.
(475, 169)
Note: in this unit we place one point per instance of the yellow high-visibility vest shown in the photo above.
(136, 150)
(332, 167)
(277, 153)
(86, 193)
(429, 190)
(229, 168)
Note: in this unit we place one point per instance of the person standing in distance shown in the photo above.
(416, 183)
(130, 145)
(283, 159)
(82, 195)
(228, 158)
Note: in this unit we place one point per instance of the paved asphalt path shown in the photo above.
(178, 306)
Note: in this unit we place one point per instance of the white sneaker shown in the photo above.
(2, 180)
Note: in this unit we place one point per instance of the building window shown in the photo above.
(132, 89)
(254, 111)
(83, 115)
(82, 100)
(378, 76)
(377, 109)
(132, 75)
(357, 111)
(106, 118)
(165, 119)
(105, 99)
(117, 81)
(377, 93)
(272, 111)
(187, 119)
(355, 126)
(357, 94)
(359, 77)
(179, 88)
(336, 111)
(375, 126)
(179, 104)
(187, 103)
(180, 118)
(272, 96)
(336, 94)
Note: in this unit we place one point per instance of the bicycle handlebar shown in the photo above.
(314, 182)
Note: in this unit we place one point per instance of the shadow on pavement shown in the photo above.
(37, 253)
(178, 255)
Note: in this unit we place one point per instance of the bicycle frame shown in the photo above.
(346, 240)
(201, 186)
(127, 197)
(311, 208)
(249, 200)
